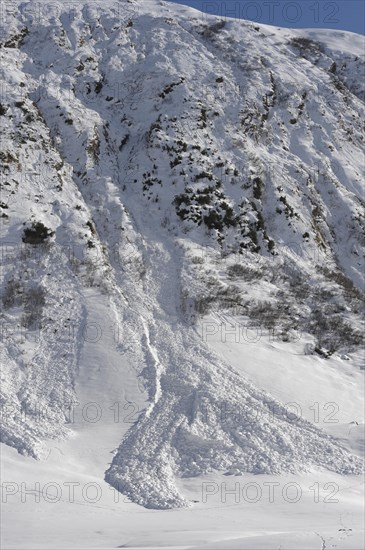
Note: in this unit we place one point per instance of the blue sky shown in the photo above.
(340, 14)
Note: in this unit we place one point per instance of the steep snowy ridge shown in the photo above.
(178, 165)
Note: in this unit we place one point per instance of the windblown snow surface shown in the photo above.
(200, 184)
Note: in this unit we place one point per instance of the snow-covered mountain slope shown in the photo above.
(179, 166)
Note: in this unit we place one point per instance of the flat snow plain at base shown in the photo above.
(243, 525)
